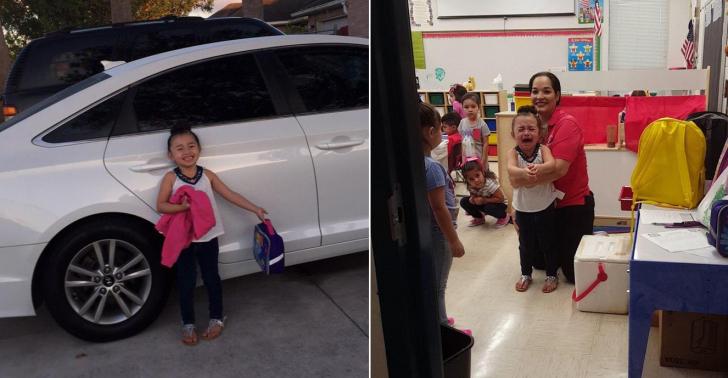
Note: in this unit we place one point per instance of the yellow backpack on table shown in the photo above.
(670, 169)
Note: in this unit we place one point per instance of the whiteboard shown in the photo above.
(498, 8)
(514, 57)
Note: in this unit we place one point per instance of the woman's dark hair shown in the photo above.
(555, 83)
(474, 165)
(527, 111)
(429, 116)
(451, 118)
(472, 96)
(458, 91)
(180, 130)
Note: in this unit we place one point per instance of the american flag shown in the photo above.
(597, 19)
(688, 47)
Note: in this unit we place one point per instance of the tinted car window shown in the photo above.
(66, 62)
(158, 41)
(58, 96)
(221, 90)
(328, 78)
(96, 122)
(237, 31)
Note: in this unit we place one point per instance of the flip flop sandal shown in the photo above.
(189, 335)
(214, 329)
(550, 284)
(523, 283)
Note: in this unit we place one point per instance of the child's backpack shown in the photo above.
(718, 235)
(268, 248)
(670, 167)
(714, 126)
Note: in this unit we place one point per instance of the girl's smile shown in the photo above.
(184, 151)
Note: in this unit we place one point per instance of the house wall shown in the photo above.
(321, 20)
(358, 18)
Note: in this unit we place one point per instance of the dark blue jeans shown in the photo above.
(497, 210)
(206, 255)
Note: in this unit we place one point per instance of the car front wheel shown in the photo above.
(104, 282)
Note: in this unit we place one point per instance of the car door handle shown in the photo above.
(150, 167)
(337, 145)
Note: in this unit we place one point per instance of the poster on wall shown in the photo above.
(585, 10)
(581, 54)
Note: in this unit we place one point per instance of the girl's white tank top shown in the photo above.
(536, 198)
(202, 183)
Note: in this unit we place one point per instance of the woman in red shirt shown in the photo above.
(575, 212)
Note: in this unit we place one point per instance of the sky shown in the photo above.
(219, 4)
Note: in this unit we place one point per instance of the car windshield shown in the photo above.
(75, 88)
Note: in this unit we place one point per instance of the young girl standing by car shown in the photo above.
(184, 148)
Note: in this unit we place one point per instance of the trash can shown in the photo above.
(456, 347)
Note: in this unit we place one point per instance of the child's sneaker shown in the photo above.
(477, 222)
(450, 321)
(503, 221)
(467, 332)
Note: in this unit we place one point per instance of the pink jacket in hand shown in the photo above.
(180, 229)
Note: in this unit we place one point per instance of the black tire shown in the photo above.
(143, 286)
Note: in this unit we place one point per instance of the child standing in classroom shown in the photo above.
(450, 122)
(443, 206)
(189, 188)
(456, 94)
(486, 196)
(474, 130)
(534, 204)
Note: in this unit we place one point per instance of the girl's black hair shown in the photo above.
(180, 130)
(472, 96)
(475, 165)
(458, 92)
(555, 83)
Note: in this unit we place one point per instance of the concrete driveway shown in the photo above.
(311, 321)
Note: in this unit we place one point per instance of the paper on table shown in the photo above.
(679, 240)
(665, 216)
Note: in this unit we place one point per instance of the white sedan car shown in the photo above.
(282, 120)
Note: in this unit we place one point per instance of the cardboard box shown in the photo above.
(696, 341)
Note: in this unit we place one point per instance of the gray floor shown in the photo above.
(311, 321)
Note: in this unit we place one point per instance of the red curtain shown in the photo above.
(641, 111)
(594, 113)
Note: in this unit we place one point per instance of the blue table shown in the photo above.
(695, 281)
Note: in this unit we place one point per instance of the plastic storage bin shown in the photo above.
(456, 347)
(521, 95)
(625, 198)
(600, 272)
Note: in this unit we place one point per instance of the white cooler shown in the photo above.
(602, 292)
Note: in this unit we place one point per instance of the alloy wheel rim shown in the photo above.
(108, 281)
